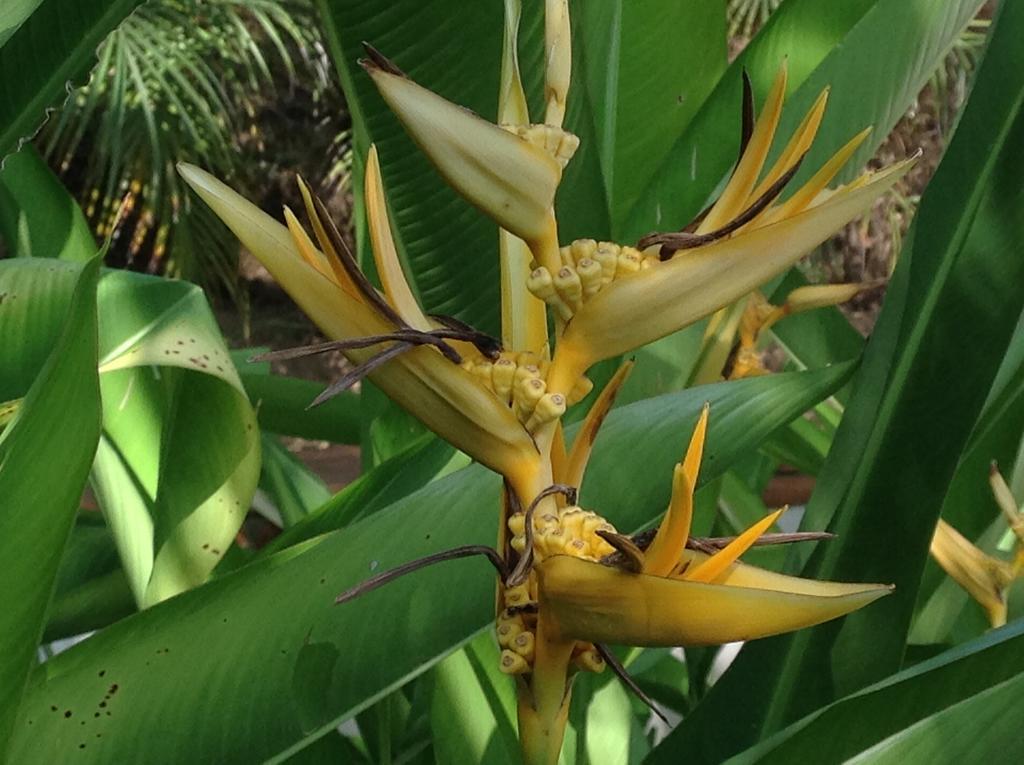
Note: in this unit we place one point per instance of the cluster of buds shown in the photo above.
(587, 266)
(559, 143)
(519, 380)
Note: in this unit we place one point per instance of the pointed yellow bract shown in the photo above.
(985, 578)
(734, 198)
(600, 604)
(509, 178)
(666, 297)
(444, 396)
(710, 569)
(663, 554)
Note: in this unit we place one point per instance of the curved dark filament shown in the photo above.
(466, 551)
(358, 373)
(630, 556)
(487, 345)
(627, 679)
(522, 569)
(674, 241)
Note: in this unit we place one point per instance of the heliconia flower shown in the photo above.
(759, 316)
(415, 359)
(985, 577)
(579, 585)
(511, 173)
(612, 298)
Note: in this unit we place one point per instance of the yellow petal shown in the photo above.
(741, 574)
(305, 245)
(807, 193)
(795, 149)
(385, 254)
(507, 177)
(558, 59)
(663, 554)
(588, 601)
(734, 198)
(445, 397)
(985, 578)
(666, 297)
(710, 569)
(584, 443)
(817, 296)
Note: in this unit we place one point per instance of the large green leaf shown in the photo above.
(858, 722)
(179, 458)
(983, 728)
(875, 54)
(53, 47)
(953, 305)
(644, 86)
(13, 15)
(45, 453)
(185, 456)
(37, 216)
(316, 663)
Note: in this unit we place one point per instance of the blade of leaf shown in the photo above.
(855, 723)
(45, 454)
(50, 49)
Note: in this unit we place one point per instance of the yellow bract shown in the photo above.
(445, 397)
(588, 601)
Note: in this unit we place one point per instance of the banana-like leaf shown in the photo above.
(45, 453)
(913, 697)
(179, 458)
(953, 304)
(282, 407)
(319, 663)
(37, 216)
(644, 86)
(52, 48)
(13, 15)
(473, 707)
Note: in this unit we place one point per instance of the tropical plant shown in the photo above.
(186, 79)
(209, 650)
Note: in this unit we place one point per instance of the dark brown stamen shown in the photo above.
(361, 371)
(455, 553)
(522, 569)
(672, 242)
(628, 558)
(374, 58)
(487, 345)
(711, 545)
(627, 679)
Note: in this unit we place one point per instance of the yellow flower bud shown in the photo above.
(512, 663)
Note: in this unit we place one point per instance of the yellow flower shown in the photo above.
(420, 366)
(579, 585)
(984, 577)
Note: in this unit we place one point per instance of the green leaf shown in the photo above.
(282, 407)
(953, 305)
(985, 728)
(876, 55)
(184, 457)
(643, 85)
(862, 720)
(292, 487)
(473, 707)
(319, 663)
(179, 458)
(45, 454)
(37, 216)
(13, 15)
(52, 48)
